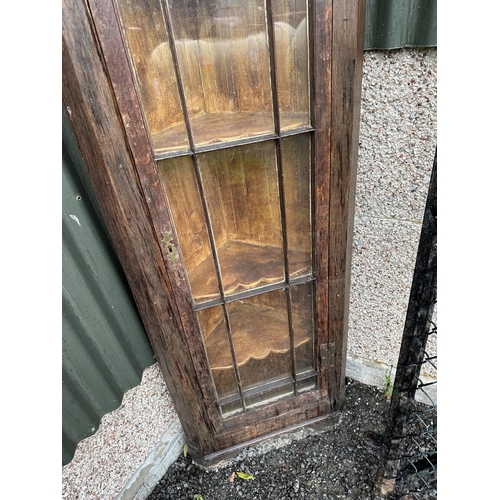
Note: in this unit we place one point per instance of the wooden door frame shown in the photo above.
(121, 172)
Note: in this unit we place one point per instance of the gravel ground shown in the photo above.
(105, 461)
(335, 464)
(397, 141)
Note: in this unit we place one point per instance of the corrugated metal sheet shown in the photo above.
(392, 24)
(104, 345)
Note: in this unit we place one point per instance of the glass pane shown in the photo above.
(224, 61)
(296, 158)
(215, 335)
(147, 41)
(292, 61)
(302, 297)
(259, 327)
(241, 188)
(270, 396)
(179, 181)
(231, 409)
(307, 384)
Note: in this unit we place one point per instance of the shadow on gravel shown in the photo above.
(335, 464)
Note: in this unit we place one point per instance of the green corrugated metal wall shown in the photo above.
(105, 347)
(393, 24)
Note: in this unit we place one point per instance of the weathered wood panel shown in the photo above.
(347, 59)
(149, 183)
(321, 106)
(91, 110)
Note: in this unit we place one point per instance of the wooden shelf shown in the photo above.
(219, 128)
(257, 332)
(245, 266)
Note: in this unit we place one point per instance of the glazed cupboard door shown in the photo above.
(232, 138)
(227, 111)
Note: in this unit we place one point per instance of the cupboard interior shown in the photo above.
(233, 194)
(262, 344)
(215, 57)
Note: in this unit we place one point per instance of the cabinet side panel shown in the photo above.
(90, 106)
(348, 44)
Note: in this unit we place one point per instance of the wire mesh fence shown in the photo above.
(408, 447)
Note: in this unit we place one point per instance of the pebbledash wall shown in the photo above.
(105, 348)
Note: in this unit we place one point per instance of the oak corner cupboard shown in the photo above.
(220, 137)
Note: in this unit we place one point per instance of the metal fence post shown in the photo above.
(398, 461)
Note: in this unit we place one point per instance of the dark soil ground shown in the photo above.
(337, 463)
